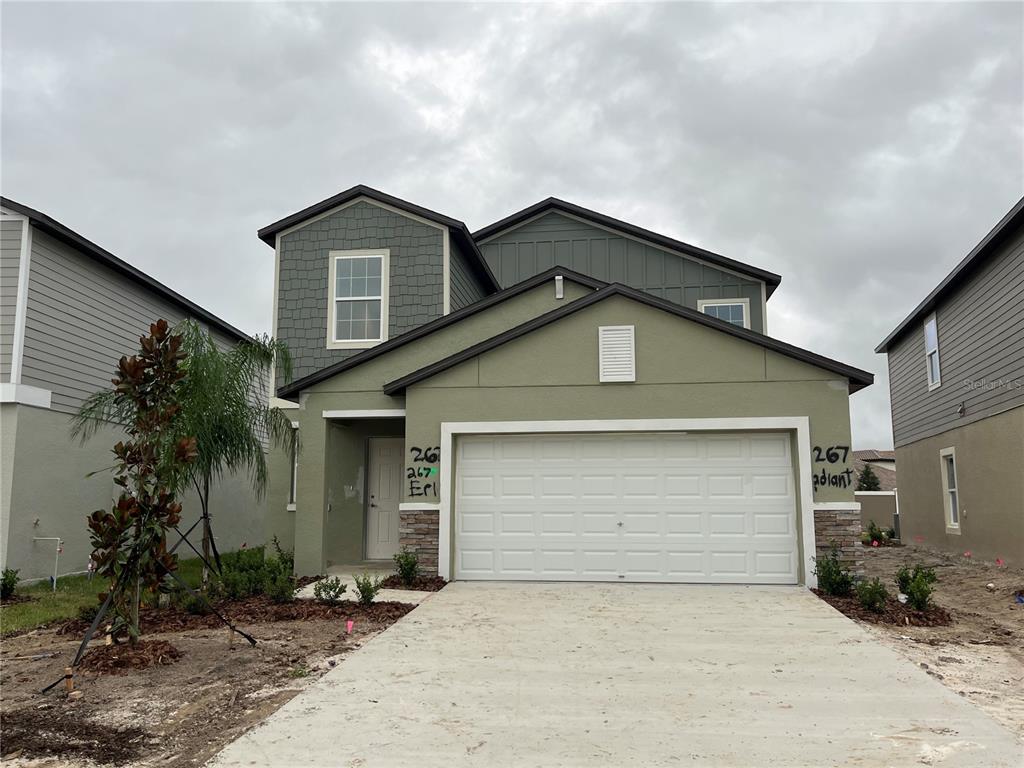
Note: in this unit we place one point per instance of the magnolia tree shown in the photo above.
(130, 541)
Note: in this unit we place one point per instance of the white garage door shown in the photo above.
(668, 507)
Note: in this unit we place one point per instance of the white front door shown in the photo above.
(668, 507)
(383, 493)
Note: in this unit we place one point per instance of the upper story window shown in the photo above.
(735, 311)
(931, 352)
(358, 299)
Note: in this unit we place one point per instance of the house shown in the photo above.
(68, 311)
(558, 396)
(956, 372)
(881, 506)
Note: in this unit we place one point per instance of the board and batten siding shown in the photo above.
(10, 260)
(82, 317)
(981, 353)
(466, 287)
(558, 240)
(415, 285)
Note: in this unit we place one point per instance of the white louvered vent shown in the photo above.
(616, 356)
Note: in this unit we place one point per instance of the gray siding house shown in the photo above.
(560, 396)
(68, 311)
(956, 372)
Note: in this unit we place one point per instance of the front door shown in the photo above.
(383, 494)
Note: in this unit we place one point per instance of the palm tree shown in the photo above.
(224, 405)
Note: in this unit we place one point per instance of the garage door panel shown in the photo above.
(637, 507)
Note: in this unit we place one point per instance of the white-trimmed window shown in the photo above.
(293, 486)
(931, 351)
(358, 299)
(950, 492)
(735, 311)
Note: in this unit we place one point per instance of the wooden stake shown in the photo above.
(231, 639)
(69, 679)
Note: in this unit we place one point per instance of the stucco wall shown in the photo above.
(881, 509)
(49, 481)
(989, 462)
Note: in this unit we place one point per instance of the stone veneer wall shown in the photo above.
(841, 526)
(417, 531)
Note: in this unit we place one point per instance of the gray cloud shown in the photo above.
(859, 150)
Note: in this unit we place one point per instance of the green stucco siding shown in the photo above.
(556, 239)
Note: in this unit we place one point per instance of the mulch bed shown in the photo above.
(14, 599)
(421, 584)
(257, 610)
(120, 658)
(895, 612)
(62, 731)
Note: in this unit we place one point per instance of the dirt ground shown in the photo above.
(178, 714)
(980, 655)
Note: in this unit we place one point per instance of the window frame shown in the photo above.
(745, 303)
(931, 319)
(384, 254)
(293, 489)
(947, 456)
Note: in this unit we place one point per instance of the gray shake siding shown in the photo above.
(82, 317)
(10, 258)
(466, 285)
(415, 286)
(555, 239)
(981, 353)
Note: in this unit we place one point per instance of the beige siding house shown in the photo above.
(68, 311)
(578, 421)
(956, 370)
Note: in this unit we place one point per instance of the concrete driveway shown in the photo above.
(621, 675)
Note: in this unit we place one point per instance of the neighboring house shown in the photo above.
(559, 396)
(881, 506)
(68, 311)
(956, 372)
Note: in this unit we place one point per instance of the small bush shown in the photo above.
(278, 583)
(919, 591)
(8, 582)
(408, 566)
(189, 603)
(833, 579)
(285, 556)
(248, 572)
(875, 534)
(872, 595)
(329, 590)
(367, 587)
(905, 576)
(88, 612)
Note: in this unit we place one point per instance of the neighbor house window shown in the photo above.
(931, 352)
(735, 311)
(357, 315)
(293, 486)
(950, 495)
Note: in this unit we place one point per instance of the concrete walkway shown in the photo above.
(619, 675)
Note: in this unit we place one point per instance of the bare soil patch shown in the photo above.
(121, 658)
(980, 655)
(13, 599)
(178, 714)
(420, 584)
(894, 612)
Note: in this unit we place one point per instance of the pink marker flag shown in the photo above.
(348, 626)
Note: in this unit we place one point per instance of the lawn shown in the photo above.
(73, 593)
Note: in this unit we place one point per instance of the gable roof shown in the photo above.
(770, 279)
(293, 388)
(57, 230)
(1002, 231)
(886, 476)
(857, 377)
(457, 229)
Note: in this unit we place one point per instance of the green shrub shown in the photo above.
(905, 576)
(8, 582)
(919, 591)
(242, 574)
(408, 566)
(189, 602)
(329, 590)
(367, 587)
(88, 611)
(833, 579)
(872, 595)
(285, 556)
(278, 583)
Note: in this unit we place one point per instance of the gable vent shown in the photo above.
(616, 355)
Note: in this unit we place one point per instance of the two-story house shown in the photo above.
(559, 396)
(69, 310)
(956, 374)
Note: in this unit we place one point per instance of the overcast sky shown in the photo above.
(858, 150)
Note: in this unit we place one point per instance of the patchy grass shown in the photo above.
(73, 593)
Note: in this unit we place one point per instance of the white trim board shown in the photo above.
(371, 413)
(798, 424)
(21, 304)
(412, 506)
(23, 394)
(874, 493)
